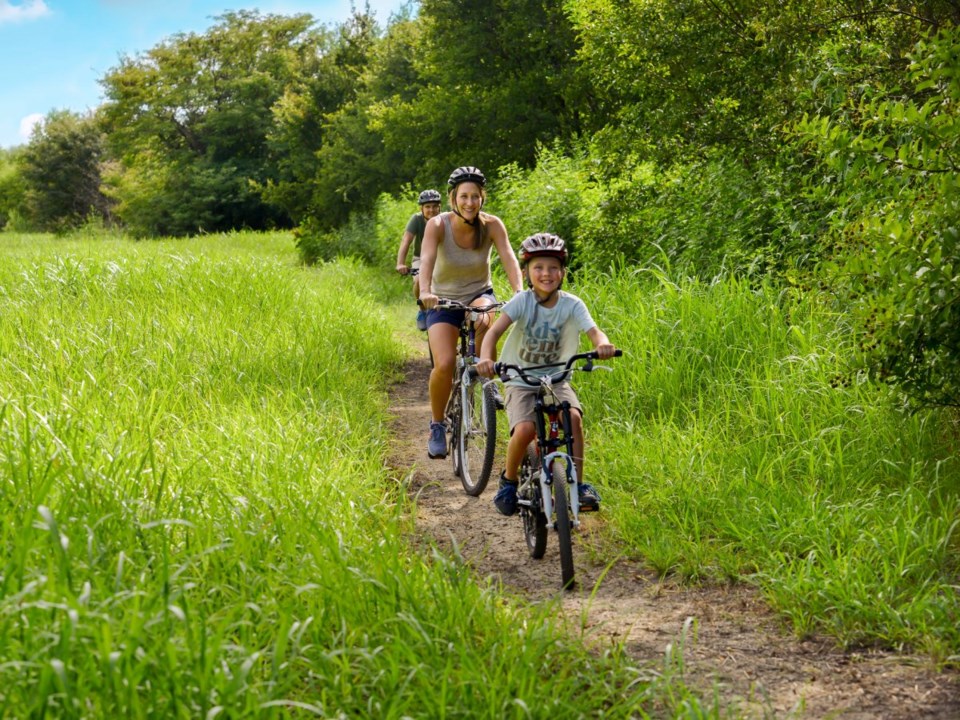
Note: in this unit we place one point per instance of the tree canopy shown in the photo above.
(813, 141)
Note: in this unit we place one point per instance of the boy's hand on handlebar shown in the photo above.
(485, 368)
(403, 269)
(605, 350)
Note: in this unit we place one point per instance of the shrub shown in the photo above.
(888, 158)
(551, 197)
(357, 239)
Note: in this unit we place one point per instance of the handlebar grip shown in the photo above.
(618, 353)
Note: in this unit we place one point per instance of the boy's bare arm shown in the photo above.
(488, 350)
(601, 343)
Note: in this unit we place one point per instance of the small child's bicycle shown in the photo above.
(472, 408)
(548, 492)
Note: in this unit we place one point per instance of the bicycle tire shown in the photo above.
(534, 521)
(453, 416)
(561, 503)
(477, 439)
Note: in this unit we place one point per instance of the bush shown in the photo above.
(700, 217)
(357, 239)
(551, 197)
(888, 158)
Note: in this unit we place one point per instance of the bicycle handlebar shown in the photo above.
(503, 369)
(447, 304)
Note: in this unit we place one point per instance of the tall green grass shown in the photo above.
(733, 444)
(196, 517)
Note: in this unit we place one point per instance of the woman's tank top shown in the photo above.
(460, 274)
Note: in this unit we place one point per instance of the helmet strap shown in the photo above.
(471, 223)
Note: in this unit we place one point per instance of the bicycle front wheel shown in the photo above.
(477, 436)
(453, 415)
(561, 503)
(534, 521)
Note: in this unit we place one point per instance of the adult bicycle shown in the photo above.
(548, 493)
(471, 411)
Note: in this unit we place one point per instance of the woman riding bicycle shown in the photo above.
(548, 326)
(455, 264)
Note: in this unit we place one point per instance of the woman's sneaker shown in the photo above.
(437, 444)
(421, 320)
(589, 498)
(506, 498)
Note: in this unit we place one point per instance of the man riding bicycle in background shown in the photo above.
(429, 201)
(548, 326)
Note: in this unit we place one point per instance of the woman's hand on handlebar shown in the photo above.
(428, 300)
(403, 268)
(485, 368)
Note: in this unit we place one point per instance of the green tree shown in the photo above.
(189, 121)
(12, 187)
(890, 167)
(324, 148)
(60, 168)
(500, 82)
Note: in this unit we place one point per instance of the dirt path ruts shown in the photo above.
(735, 642)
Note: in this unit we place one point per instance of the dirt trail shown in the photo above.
(735, 643)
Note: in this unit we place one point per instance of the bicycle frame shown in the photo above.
(467, 342)
(548, 441)
(471, 415)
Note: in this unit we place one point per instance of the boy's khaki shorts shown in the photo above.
(519, 402)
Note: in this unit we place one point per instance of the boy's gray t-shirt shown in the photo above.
(542, 335)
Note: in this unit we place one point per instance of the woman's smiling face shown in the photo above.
(469, 199)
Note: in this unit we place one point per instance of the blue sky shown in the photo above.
(53, 52)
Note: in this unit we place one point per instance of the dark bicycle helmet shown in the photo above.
(428, 196)
(542, 244)
(467, 173)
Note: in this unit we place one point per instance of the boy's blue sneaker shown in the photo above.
(589, 498)
(421, 319)
(506, 498)
(437, 444)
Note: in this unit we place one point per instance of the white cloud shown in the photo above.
(28, 10)
(27, 124)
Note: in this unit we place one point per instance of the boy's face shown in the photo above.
(545, 273)
(430, 210)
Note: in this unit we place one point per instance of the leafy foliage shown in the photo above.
(189, 121)
(12, 189)
(60, 169)
(551, 197)
(891, 154)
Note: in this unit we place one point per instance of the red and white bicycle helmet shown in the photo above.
(542, 244)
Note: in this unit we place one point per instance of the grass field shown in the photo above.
(196, 519)
(734, 442)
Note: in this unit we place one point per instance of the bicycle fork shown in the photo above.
(546, 462)
(546, 482)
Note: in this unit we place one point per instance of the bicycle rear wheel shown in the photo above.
(561, 503)
(477, 436)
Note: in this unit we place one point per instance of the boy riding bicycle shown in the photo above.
(548, 326)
